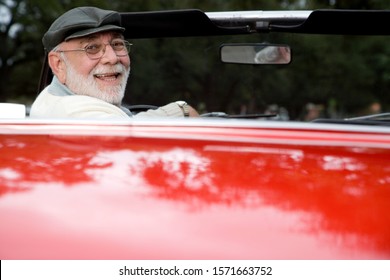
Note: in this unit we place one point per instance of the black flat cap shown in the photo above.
(80, 22)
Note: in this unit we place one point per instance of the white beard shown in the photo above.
(88, 86)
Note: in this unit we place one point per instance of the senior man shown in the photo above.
(90, 61)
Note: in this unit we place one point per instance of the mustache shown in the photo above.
(105, 69)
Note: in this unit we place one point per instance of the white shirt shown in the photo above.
(57, 101)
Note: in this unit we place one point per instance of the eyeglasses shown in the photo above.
(96, 50)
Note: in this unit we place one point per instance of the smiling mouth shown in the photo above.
(108, 76)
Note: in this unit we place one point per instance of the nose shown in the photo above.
(109, 55)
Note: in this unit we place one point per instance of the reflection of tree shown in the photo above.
(344, 191)
(341, 191)
(28, 160)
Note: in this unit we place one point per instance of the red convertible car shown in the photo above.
(216, 187)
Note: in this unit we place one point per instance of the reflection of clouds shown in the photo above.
(185, 166)
(179, 167)
(354, 191)
(384, 180)
(342, 163)
(9, 174)
(286, 156)
(11, 143)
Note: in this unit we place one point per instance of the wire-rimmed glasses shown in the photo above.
(96, 50)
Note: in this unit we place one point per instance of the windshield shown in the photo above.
(328, 76)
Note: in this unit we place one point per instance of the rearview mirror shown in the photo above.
(255, 53)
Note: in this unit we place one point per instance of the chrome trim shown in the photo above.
(253, 16)
(21, 124)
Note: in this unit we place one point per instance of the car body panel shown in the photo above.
(193, 189)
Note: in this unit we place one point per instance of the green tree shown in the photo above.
(22, 25)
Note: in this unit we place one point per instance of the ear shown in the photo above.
(58, 66)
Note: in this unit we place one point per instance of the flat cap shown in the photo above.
(80, 22)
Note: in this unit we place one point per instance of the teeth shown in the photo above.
(106, 75)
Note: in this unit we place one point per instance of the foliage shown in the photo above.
(188, 68)
(21, 28)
